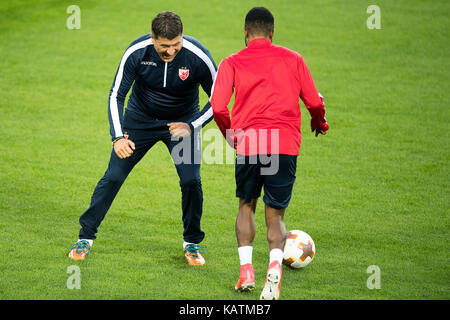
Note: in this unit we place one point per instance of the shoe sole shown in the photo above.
(270, 291)
(196, 262)
(77, 257)
(247, 287)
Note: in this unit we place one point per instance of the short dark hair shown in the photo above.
(259, 20)
(167, 25)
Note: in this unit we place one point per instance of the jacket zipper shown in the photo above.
(165, 75)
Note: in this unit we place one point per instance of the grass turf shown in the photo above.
(373, 191)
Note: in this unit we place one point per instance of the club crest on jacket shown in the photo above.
(183, 73)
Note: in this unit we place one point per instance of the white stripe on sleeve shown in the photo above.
(113, 98)
(198, 123)
(199, 53)
(202, 55)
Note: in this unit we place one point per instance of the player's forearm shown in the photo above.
(223, 122)
(316, 108)
(115, 114)
(317, 112)
(206, 115)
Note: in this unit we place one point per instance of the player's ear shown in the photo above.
(271, 34)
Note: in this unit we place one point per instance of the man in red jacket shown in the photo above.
(268, 81)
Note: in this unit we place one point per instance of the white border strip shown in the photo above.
(113, 107)
(197, 51)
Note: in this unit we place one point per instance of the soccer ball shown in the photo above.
(299, 249)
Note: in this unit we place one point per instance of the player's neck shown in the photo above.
(252, 37)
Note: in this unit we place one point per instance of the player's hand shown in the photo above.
(321, 130)
(124, 148)
(318, 131)
(179, 129)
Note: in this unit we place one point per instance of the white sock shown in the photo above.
(245, 254)
(186, 243)
(91, 242)
(276, 254)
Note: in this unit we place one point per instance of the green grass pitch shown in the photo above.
(373, 191)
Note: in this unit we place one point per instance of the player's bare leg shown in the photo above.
(276, 230)
(245, 233)
(276, 236)
(245, 223)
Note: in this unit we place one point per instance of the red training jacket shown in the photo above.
(268, 81)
